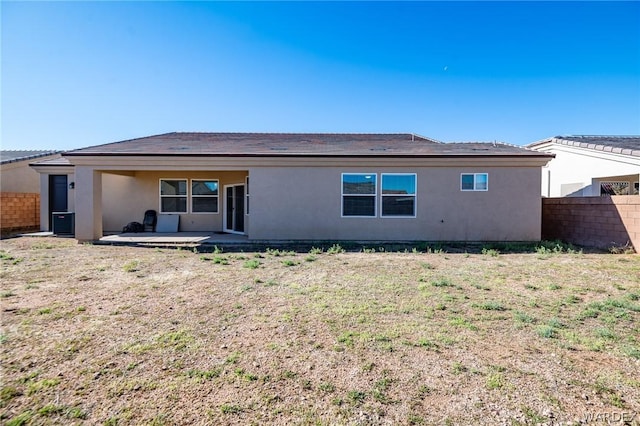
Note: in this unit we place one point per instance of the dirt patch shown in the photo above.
(131, 335)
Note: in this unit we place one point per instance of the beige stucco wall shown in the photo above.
(305, 203)
(19, 177)
(126, 196)
(299, 198)
(577, 171)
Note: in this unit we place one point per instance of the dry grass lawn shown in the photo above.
(158, 336)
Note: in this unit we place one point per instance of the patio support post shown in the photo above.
(88, 204)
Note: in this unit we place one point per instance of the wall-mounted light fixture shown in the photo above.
(72, 185)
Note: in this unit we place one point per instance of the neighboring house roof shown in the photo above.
(300, 144)
(12, 156)
(626, 145)
(58, 161)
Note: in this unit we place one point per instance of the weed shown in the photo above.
(310, 258)
(289, 262)
(252, 264)
(7, 393)
(425, 343)
(605, 333)
(42, 384)
(288, 374)
(356, 397)
(335, 249)
(490, 306)
(442, 282)
(459, 321)
(490, 252)
(326, 387)
(547, 332)
(571, 300)
(233, 358)
(178, 340)
(316, 250)
(220, 260)
(240, 372)
(50, 409)
(532, 416)
(76, 413)
(204, 374)
(8, 258)
(631, 351)
(458, 368)
(495, 381)
(7, 294)
(423, 391)
(524, 318)
(231, 409)
(616, 400)
(556, 323)
(414, 419)
(131, 266)
(347, 338)
(554, 287)
(21, 419)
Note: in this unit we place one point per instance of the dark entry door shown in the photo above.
(234, 215)
(58, 201)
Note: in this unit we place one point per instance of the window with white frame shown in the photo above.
(359, 194)
(474, 182)
(204, 196)
(398, 194)
(173, 195)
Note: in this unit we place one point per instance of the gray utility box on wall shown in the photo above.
(63, 223)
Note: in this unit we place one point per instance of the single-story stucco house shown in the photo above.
(279, 186)
(590, 166)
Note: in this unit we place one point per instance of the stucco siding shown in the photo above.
(305, 203)
(576, 171)
(19, 177)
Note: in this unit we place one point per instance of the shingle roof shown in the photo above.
(11, 156)
(299, 144)
(626, 145)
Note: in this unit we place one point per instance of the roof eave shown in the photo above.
(310, 155)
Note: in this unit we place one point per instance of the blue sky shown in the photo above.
(76, 74)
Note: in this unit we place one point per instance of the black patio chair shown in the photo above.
(150, 220)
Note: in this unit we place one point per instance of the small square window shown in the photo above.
(474, 182)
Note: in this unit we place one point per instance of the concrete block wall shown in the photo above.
(602, 222)
(19, 211)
